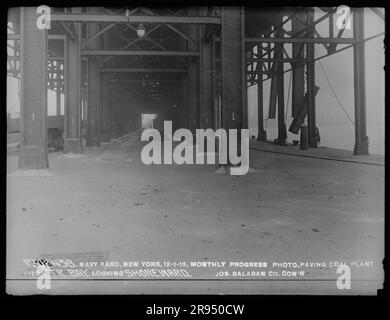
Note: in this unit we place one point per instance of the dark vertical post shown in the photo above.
(193, 94)
(262, 134)
(193, 77)
(184, 101)
(105, 97)
(361, 139)
(58, 91)
(93, 138)
(232, 61)
(218, 85)
(205, 85)
(114, 108)
(298, 72)
(73, 142)
(33, 97)
(311, 95)
(105, 122)
(214, 79)
(282, 132)
(244, 92)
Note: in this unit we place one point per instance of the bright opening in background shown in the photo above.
(147, 120)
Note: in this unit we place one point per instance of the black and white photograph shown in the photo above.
(195, 150)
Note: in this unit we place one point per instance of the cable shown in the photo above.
(316, 157)
(333, 91)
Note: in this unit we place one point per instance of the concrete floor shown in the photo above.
(108, 205)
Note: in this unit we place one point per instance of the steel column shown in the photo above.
(33, 93)
(115, 112)
(93, 135)
(361, 139)
(193, 79)
(233, 71)
(311, 95)
(282, 131)
(58, 100)
(298, 73)
(105, 106)
(262, 134)
(206, 84)
(73, 142)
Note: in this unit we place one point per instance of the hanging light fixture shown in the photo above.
(140, 30)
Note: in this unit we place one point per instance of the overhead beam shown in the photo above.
(287, 60)
(102, 52)
(329, 54)
(130, 70)
(15, 36)
(151, 40)
(134, 41)
(97, 34)
(88, 17)
(68, 31)
(181, 34)
(302, 40)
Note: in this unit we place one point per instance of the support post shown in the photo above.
(58, 100)
(361, 139)
(262, 134)
(311, 110)
(193, 78)
(73, 141)
(93, 134)
(298, 73)
(105, 122)
(114, 113)
(233, 60)
(206, 83)
(244, 91)
(33, 98)
(216, 121)
(282, 131)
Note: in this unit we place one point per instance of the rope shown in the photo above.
(333, 91)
